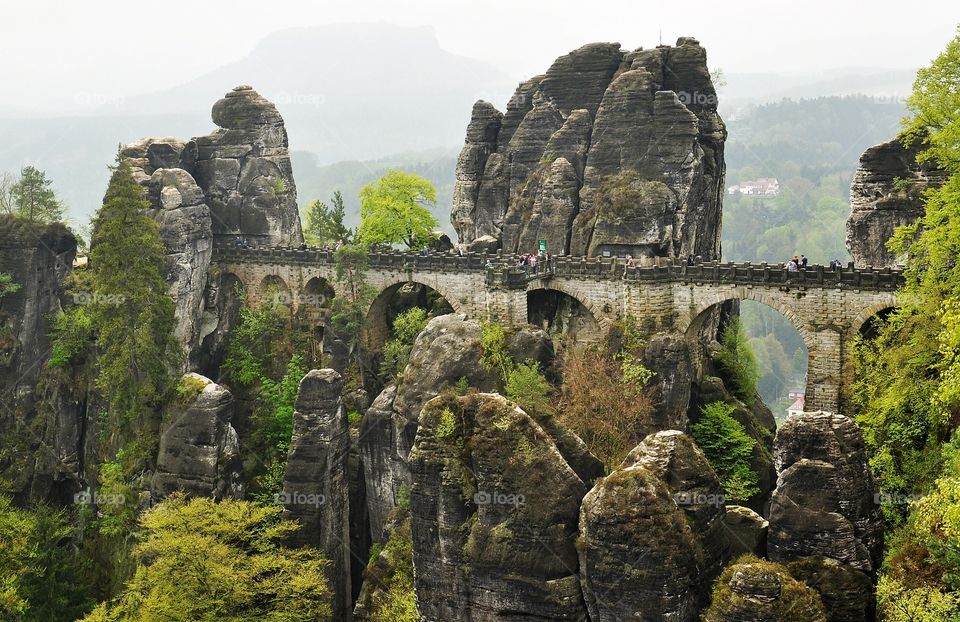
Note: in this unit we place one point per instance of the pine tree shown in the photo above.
(134, 317)
(33, 198)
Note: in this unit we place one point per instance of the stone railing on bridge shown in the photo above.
(503, 271)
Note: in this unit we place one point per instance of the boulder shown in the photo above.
(494, 510)
(640, 558)
(824, 502)
(847, 593)
(607, 151)
(752, 590)
(316, 487)
(886, 192)
(199, 450)
(746, 531)
(674, 458)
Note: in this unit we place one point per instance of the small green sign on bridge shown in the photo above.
(543, 247)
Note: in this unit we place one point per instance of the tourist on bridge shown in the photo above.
(803, 262)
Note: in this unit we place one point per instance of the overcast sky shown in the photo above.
(109, 48)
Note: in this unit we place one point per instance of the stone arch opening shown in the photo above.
(393, 301)
(275, 290)
(562, 315)
(871, 321)
(782, 348)
(317, 293)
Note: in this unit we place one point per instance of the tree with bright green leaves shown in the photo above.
(32, 197)
(205, 560)
(325, 222)
(729, 449)
(396, 352)
(907, 389)
(43, 574)
(395, 210)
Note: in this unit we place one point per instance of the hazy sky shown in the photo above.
(98, 49)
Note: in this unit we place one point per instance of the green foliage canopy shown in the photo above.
(208, 560)
(728, 448)
(394, 210)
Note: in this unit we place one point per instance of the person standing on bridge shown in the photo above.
(803, 262)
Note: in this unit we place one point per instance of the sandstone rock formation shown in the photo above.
(199, 449)
(42, 420)
(746, 531)
(651, 534)
(886, 192)
(236, 181)
(494, 515)
(608, 150)
(447, 350)
(824, 501)
(752, 590)
(315, 484)
(847, 594)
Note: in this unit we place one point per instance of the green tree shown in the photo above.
(349, 310)
(728, 448)
(737, 359)
(33, 198)
(208, 560)
(393, 210)
(43, 575)
(325, 222)
(907, 391)
(133, 313)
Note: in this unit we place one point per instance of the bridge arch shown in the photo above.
(547, 303)
(859, 323)
(377, 317)
(274, 288)
(715, 310)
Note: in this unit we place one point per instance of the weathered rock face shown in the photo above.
(199, 449)
(608, 150)
(752, 590)
(847, 593)
(315, 484)
(652, 534)
(824, 501)
(886, 192)
(41, 426)
(38, 259)
(674, 458)
(746, 530)
(244, 169)
(237, 181)
(494, 515)
(447, 350)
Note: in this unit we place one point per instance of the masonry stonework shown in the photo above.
(827, 308)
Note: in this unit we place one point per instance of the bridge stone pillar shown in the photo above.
(507, 306)
(824, 371)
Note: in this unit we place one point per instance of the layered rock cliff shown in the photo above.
(234, 182)
(608, 150)
(886, 192)
(43, 416)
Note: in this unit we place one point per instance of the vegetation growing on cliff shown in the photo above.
(31, 197)
(45, 574)
(604, 397)
(396, 352)
(207, 560)
(325, 223)
(729, 450)
(906, 393)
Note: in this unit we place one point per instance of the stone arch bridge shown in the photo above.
(827, 308)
